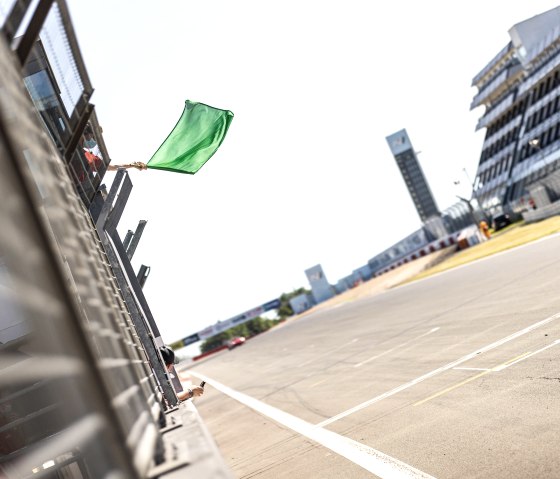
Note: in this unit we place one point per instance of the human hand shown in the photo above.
(197, 391)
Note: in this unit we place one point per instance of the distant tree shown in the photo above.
(285, 310)
(257, 326)
(241, 330)
(248, 329)
(214, 342)
(254, 326)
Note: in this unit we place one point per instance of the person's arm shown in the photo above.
(136, 164)
(189, 393)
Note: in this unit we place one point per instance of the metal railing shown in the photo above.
(84, 392)
(78, 395)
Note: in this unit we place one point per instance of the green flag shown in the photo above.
(195, 138)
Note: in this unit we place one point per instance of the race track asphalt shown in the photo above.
(454, 376)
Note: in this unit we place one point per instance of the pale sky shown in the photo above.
(305, 175)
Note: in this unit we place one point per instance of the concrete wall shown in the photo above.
(320, 287)
(301, 303)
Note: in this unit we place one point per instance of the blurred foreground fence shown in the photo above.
(82, 393)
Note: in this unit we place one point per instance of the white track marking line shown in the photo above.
(433, 373)
(319, 382)
(396, 347)
(473, 369)
(526, 356)
(506, 365)
(498, 368)
(372, 460)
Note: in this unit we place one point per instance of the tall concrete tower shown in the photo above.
(418, 187)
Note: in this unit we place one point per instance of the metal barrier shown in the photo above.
(44, 43)
(84, 392)
(78, 396)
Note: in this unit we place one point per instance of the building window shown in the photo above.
(557, 131)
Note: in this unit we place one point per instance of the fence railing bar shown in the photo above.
(14, 370)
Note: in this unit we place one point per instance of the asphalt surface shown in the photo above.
(454, 376)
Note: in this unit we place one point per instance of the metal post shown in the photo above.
(471, 209)
(127, 239)
(109, 200)
(143, 274)
(27, 40)
(469, 180)
(136, 238)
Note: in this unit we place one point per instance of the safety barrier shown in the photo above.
(79, 396)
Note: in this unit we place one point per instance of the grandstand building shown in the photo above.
(520, 90)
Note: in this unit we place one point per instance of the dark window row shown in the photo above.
(504, 141)
(543, 140)
(507, 117)
(538, 92)
(495, 170)
(546, 111)
(544, 87)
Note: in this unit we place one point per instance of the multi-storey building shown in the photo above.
(520, 89)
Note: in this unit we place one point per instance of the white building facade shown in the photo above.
(520, 90)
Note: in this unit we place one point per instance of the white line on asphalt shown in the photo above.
(396, 347)
(433, 373)
(372, 460)
(319, 382)
(507, 365)
(473, 369)
(523, 357)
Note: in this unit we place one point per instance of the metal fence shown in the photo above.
(43, 41)
(78, 395)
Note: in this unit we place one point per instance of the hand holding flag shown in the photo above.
(136, 164)
(196, 137)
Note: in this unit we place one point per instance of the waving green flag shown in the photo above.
(195, 138)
